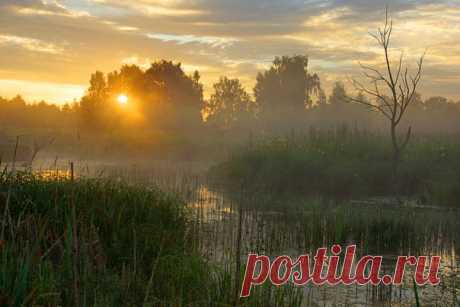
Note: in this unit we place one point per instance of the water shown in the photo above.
(279, 233)
(265, 229)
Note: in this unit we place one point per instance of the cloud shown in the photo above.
(212, 41)
(41, 7)
(151, 8)
(65, 41)
(127, 28)
(31, 44)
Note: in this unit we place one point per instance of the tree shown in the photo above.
(181, 96)
(393, 89)
(285, 89)
(322, 99)
(229, 105)
(438, 104)
(339, 95)
(163, 97)
(98, 86)
(144, 96)
(93, 104)
(130, 80)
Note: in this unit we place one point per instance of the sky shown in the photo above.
(49, 48)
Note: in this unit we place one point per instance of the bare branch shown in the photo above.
(398, 74)
(370, 105)
(394, 79)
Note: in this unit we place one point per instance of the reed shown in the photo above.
(100, 242)
(343, 164)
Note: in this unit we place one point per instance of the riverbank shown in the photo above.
(103, 242)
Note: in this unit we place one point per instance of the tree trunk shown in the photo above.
(395, 159)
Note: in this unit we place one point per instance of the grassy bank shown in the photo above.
(344, 164)
(93, 242)
(105, 243)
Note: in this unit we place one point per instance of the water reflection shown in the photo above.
(386, 231)
(205, 203)
(279, 233)
(56, 174)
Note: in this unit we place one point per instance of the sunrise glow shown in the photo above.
(122, 99)
(202, 152)
(243, 42)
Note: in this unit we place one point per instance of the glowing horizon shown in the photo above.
(34, 91)
(48, 49)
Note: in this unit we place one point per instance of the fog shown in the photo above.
(164, 115)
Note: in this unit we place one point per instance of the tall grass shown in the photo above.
(107, 250)
(345, 164)
(100, 242)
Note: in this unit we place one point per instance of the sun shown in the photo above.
(122, 99)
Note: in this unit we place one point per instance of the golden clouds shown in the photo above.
(53, 43)
(30, 44)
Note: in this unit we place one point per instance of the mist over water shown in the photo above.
(154, 187)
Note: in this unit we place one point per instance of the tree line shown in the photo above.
(286, 96)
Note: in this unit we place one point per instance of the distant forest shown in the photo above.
(166, 103)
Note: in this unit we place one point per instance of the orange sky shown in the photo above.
(49, 48)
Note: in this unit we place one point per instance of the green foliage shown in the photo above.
(342, 164)
(106, 243)
(124, 235)
(230, 105)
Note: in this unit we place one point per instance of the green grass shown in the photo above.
(95, 242)
(374, 229)
(117, 237)
(346, 165)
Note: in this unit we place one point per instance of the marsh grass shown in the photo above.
(102, 242)
(273, 227)
(118, 237)
(343, 164)
(128, 243)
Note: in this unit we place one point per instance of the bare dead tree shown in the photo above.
(392, 88)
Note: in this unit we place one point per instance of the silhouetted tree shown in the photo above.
(93, 106)
(438, 104)
(393, 89)
(322, 99)
(18, 113)
(284, 91)
(339, 95)
(438, 114)
(181, 96)
(229, 105)
(335, 111)
(162, 97)
(130, 80)
(144, 98)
